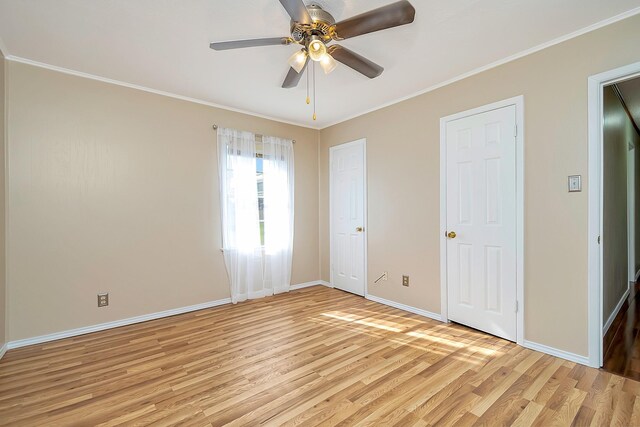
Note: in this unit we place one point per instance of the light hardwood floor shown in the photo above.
(316, 356)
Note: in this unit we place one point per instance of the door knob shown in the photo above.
(359, 229)
(451, 234)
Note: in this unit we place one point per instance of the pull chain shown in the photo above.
(314, 90)
(308, 99)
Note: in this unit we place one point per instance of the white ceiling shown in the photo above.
(164, 45)
(630, 91)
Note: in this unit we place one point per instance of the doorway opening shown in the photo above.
(620, 308)
(614, 181)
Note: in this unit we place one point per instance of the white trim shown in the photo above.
(583, 360)
(613, 315)
(365, 217)
(518, 102)
(3, 350)
(309, 284)
(631, 210)
(5, 53)
(594, 259)
(150, 90)
(463, 76)
(115, 324)
(132, 320)
(404, 307)
(363, 142)
(444, 305)
(495, 64)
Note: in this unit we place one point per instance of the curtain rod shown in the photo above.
(215, 127)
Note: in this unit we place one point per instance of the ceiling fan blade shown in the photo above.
(297, 11)
(238, 44)
(355, 61)
(392, 15)
(293, 77)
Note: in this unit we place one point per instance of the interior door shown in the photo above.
(481, 221)
(347, 193)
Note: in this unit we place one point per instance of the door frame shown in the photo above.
(631, 212)
(518, 102)
(363, 142)
(595, 321)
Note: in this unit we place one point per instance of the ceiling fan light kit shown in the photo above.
(316, 48)
(314, 28)
(298, 60)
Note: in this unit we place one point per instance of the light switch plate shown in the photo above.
(575, 183)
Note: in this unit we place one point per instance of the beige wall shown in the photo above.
(115, 190)
(618, 133)
(3, 290)
(403, 180)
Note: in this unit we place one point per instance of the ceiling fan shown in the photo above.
(314, 28)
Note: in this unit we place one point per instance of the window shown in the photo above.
(257, 237)
(260, 183)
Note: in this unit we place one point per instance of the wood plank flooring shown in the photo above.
(316, 356)
(622, 341)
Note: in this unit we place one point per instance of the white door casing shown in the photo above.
(631, 212)
(596, 84)
(347, 216)
(482, 204)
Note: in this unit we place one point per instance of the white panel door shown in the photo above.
(347, 194)
(481, 221)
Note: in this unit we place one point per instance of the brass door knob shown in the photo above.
(451, 234)
(359, 229)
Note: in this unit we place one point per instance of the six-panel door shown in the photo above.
(347, 217)
(481, 211)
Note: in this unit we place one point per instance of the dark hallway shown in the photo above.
(620, 234)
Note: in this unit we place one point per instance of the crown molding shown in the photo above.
(149, 90)
(495, 64)
(463, 76)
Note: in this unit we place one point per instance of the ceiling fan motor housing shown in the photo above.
(321, 26)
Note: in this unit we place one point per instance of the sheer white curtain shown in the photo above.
(278, 179)
(239, 203)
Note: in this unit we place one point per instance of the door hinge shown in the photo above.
(516, 306)
(515, 130)
(598, 239)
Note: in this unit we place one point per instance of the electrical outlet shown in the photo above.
(405, 280)
(103, 300)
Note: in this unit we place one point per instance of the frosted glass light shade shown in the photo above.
(317, 50)
(297, 60)
(327, 63)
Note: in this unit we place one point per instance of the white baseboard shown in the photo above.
(109, 325)
(138, 319)
(3, 350)
(615, 311)
(309, 284)
(418, 311)
(572, 357)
